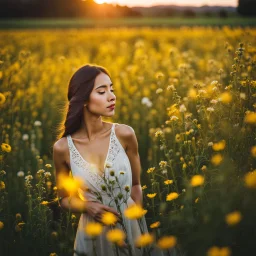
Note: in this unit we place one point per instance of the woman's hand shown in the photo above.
(95, 210)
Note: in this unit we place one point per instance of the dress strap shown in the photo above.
(69, 141)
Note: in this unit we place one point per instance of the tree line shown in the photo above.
(88, 8)
(62, 8)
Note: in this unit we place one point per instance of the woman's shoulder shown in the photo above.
(124, 131)
(61, 145)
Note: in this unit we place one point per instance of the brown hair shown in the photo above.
(79, 90)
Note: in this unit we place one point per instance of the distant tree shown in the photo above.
(208, 14)
(247, 7)
(189, 13)
(223, 13)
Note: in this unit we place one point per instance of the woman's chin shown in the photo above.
(109, 114)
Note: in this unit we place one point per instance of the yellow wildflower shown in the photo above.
(93, 229)
(53, 254)
(108, 218)
(115, 235)
(233, 218)
(197, 180)
(216, 159)
(151, 169)
(155, 224)
(159, 90)
(192, 93)
(159, 134)
(2, 98)
(253, 151)
(2, 185)
(172, 196)
(216, 251)
(167, 242)
(134, 211)
(21, 224)
(44, 203)
(144, 187)
(48, 165)
(177, 138)
(250, 118)
(204, 168)
(219, 145)
(6, 147)
(151, 195)
(196, 200)
(226, 97)
(1, 225)
(181, 207)
(70, 184)
(144, 240)
(168, 182)
(162, 164)
(250, 179)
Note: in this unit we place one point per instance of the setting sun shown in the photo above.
(99, 1)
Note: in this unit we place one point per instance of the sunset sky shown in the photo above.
(131, 3)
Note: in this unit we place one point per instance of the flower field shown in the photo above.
(190, 95)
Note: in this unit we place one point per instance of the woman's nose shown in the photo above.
(112, 96)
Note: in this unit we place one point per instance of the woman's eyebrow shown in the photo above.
(104, 86)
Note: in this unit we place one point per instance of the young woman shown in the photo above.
(91, 149)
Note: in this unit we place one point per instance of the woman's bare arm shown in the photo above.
(73, 203)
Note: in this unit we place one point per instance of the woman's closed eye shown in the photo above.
(104, 92)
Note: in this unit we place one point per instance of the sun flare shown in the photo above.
(99, 1)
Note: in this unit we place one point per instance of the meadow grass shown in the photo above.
(189, 94)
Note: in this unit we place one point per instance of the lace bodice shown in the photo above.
(116, 160)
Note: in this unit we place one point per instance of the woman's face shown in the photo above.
(102, 96)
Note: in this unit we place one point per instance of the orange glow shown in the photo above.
(99, 1)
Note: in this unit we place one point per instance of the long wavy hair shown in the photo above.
(80, 87)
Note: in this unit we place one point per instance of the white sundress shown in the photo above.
(119, 161)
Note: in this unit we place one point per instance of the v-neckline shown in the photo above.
(91, 164)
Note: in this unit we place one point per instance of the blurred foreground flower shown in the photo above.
(216, 159)
(219, 145)
(172, 196)
(225, 97)
(144, 240)
(216, 251)
(108, 218)
(115, 235)
(155, 224)
(1, 225)
(70, 184)
(2, 98)
(253, 151)
(93, 229)
(134, 211)
(167, 242)
(250, 179)
(250, 118)
(233, 218)
(197, 180)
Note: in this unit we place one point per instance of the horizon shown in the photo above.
(151, 3)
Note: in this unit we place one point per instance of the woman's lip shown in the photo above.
(112, 106)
